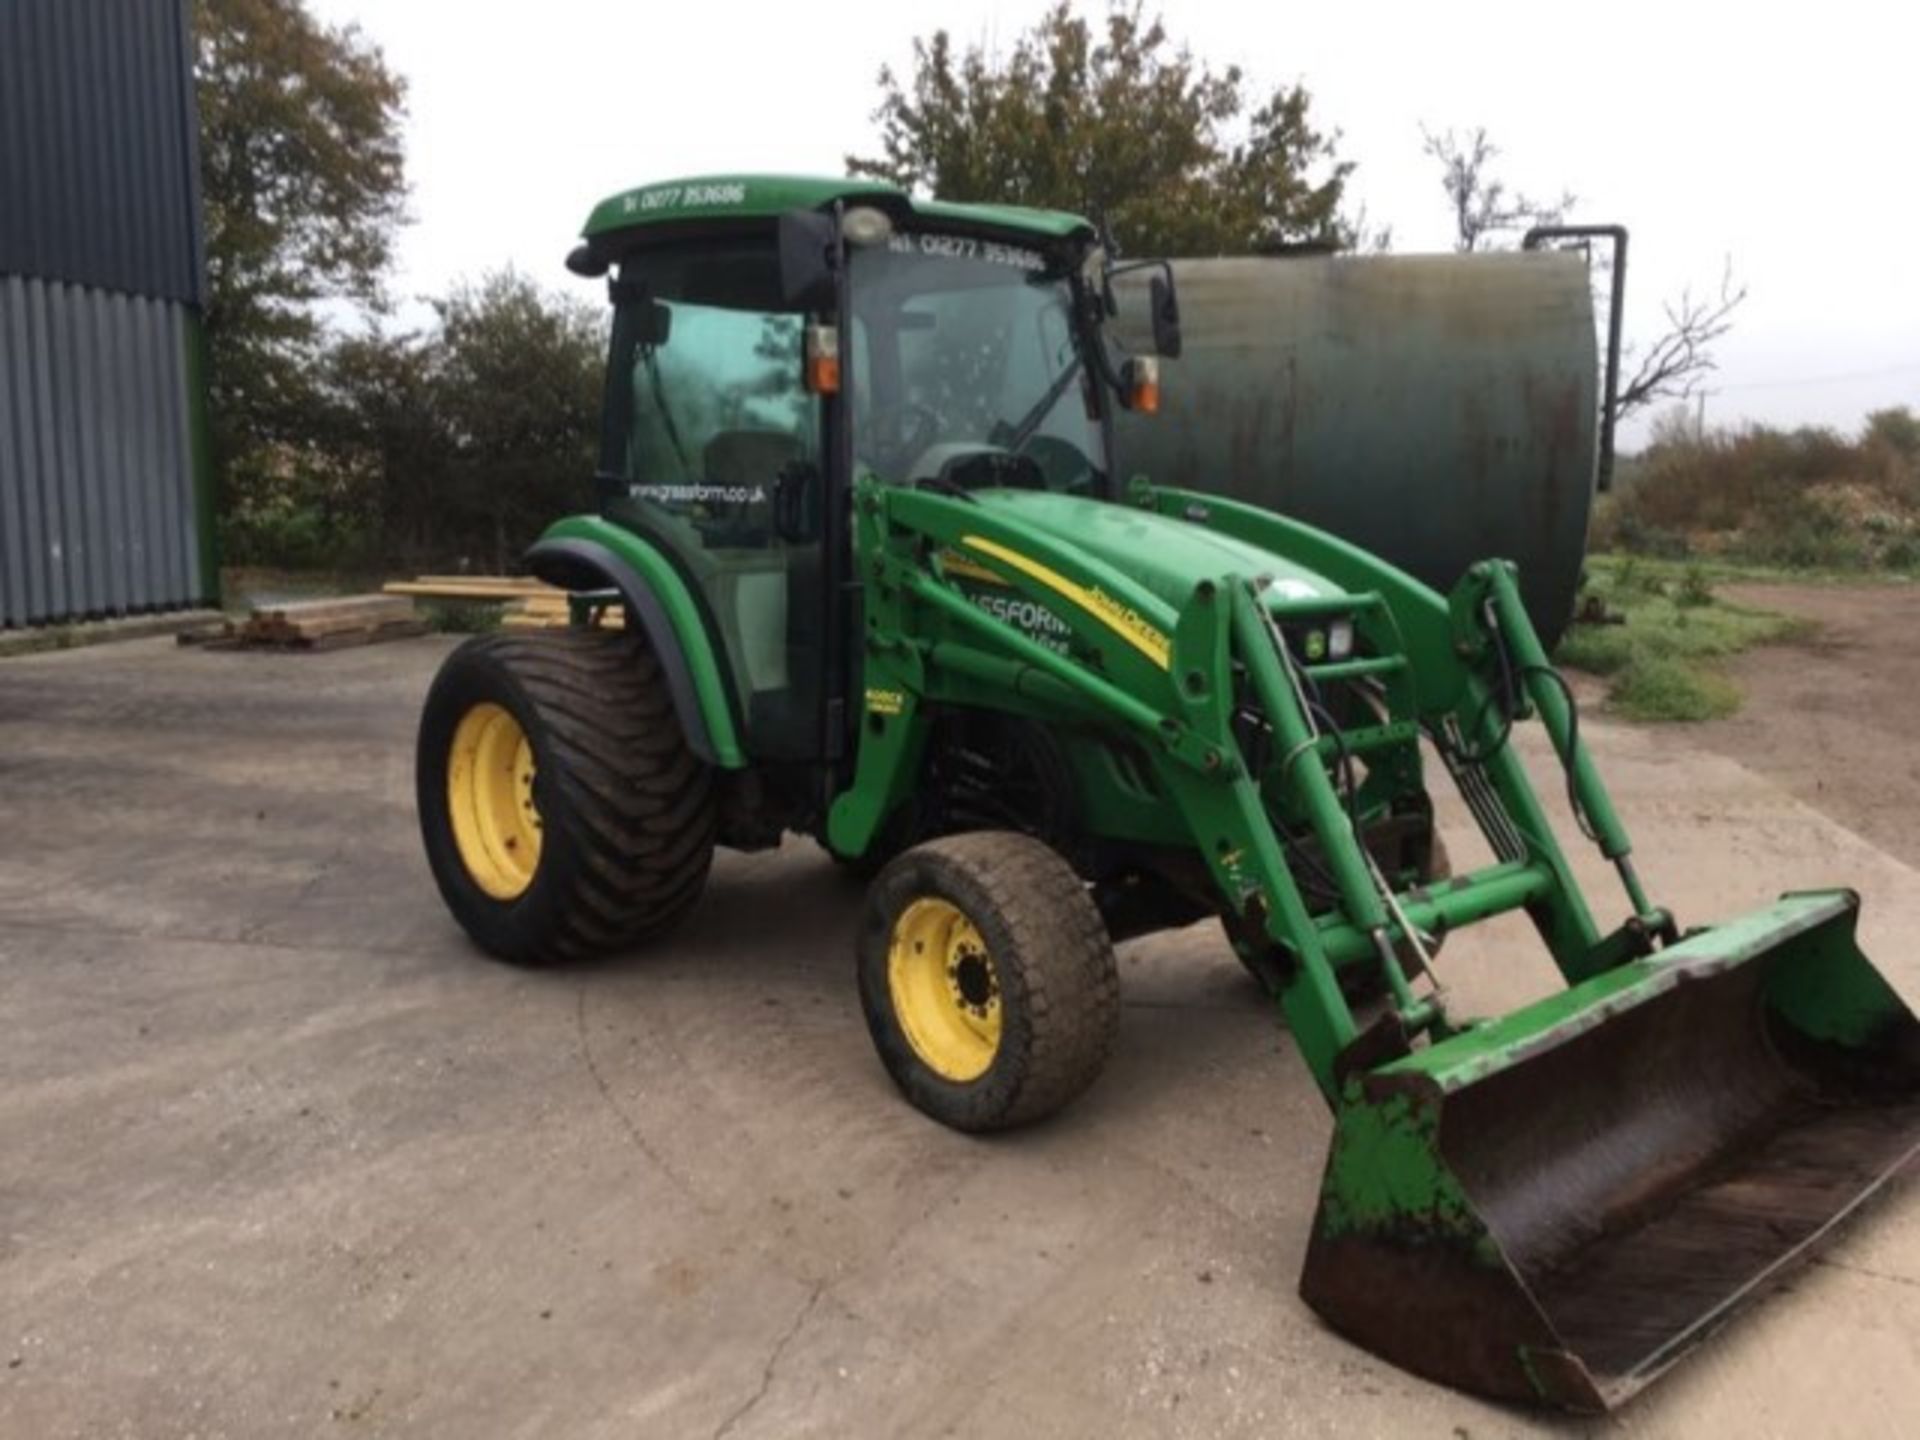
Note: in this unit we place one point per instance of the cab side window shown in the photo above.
(719, 446)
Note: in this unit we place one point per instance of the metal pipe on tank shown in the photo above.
(1616, 312)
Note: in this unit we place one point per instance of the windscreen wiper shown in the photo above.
(1030, 422)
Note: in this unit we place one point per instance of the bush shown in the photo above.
(415, 450)
(1626, 531)
(1694, 590)
(1803, 532)
(1803, 499)
(1901, 554)
(284, 514)
(464, 617)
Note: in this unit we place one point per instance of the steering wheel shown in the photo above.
(1066, 468)
(907, 431)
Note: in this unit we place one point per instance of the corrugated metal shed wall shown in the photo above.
(96, 446)
(102, 453)
(99, 168)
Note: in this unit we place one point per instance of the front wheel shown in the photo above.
(562, 812)
(987, 979)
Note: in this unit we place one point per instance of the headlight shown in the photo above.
(864, 226)
(1317, 644)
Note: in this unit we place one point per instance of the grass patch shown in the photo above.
(1659, 689)
(463, 617)
(1721, 569)
(39, 642)
(1664, 661)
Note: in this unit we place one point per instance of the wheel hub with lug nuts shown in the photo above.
(944, 989)
(496, 824)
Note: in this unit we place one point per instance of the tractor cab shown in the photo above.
(776, 339)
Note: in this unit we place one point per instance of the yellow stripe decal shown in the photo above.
(1123, 620)
(959, 565)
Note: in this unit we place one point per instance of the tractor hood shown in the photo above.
(1166, 555)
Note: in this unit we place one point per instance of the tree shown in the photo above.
(519, 387)
(1482, 204)
(1126, 125)
(1679, 359)
(1890, 450)
(1676, 365)
(1896, 429)
(353, 443)
(303, 184)
(452, 446)
(382, 426)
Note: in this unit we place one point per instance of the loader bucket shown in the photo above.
(1557, 1204)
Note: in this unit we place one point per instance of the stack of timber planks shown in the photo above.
(331, 624)
(529, 603)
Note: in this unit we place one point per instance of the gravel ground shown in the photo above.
(279, 1155)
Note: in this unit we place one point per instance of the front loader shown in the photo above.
(861, 571)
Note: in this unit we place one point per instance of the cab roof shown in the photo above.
(755, 197)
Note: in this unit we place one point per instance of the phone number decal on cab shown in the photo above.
(670, 197)
(963, 247)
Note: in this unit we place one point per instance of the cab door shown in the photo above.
(713, 450)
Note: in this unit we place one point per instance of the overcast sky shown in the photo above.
(1784, 138)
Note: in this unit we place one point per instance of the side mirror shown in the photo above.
(1166, 315)
(585, 259)
(807, 242)
(1163, 303)
(652, 321)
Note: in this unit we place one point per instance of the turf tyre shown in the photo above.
(1058, 982)
(627, 811)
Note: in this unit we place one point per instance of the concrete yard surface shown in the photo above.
(281, 1155)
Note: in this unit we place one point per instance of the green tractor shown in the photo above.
(861, 570)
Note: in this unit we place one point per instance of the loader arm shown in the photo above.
(1183, 681)
(928, 645)
(1439, 639)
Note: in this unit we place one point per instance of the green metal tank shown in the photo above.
(1435, 409)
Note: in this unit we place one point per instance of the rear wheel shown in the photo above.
(562, 812)
(988, 980)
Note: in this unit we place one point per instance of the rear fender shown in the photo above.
(585, 552)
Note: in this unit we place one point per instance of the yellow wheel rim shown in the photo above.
(496, 826)
(944, 989)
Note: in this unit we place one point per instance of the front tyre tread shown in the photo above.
(1060, 985)
(627, 811)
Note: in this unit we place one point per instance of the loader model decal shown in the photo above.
(1123, 620)
(1029, 617)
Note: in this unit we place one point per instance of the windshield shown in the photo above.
(964, 356)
